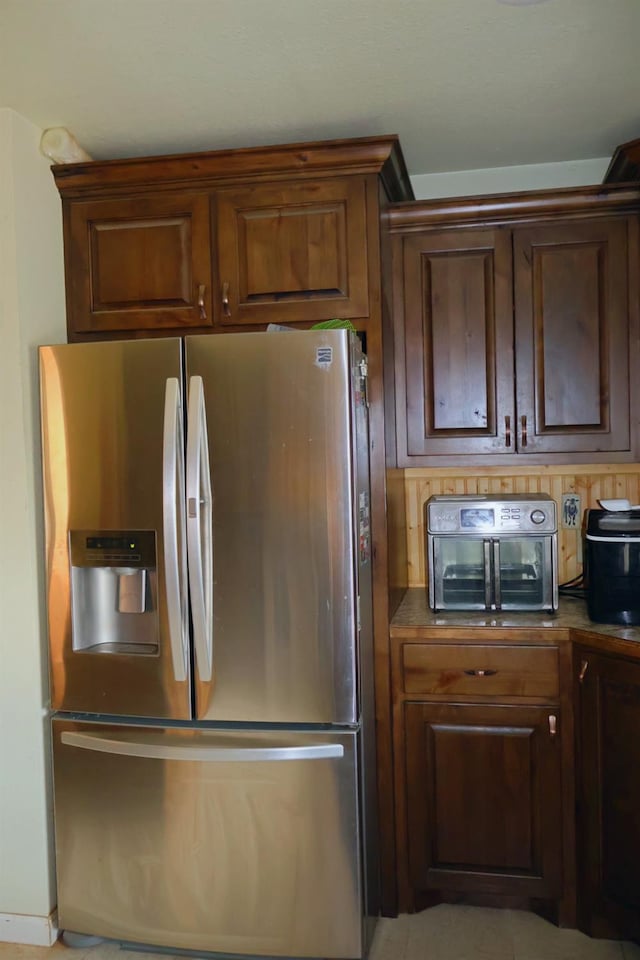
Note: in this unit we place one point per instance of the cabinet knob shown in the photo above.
(480, 673)
(201, 306)
(553, 725)
(226, 309)
(584, 666)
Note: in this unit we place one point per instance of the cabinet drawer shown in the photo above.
(472, 670)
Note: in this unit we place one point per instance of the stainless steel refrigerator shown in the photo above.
(208, 561)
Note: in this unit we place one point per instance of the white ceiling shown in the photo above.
(466, 84)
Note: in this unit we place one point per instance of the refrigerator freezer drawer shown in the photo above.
(241, 842)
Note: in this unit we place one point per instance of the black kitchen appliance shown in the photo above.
(612, 566)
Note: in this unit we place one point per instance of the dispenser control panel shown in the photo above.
(113, 548)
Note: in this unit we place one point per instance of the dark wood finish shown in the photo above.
(389, 508)
(483, 773)
(483, 799)
(377, 197)
(625, 163)
(138, 264)
(292, 235)
(359, 156)
(482, 670)
(455, 345)
(608, 733)
(572, 337)
(572, 257)
(513, 209)
(292, 251)
(598, 757)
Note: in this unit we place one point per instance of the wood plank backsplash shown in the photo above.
(590, 482)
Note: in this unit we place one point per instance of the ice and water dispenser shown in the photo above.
(114, 591)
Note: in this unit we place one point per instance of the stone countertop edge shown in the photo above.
(572, 615)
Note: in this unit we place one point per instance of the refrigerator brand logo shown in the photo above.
(324, 356)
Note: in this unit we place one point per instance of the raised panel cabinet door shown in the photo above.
(484, 799)
(293, 251)
(608, 795)
(138, 264)
(572, 336)
(455, 344)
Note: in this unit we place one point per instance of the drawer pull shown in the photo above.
(480, 673)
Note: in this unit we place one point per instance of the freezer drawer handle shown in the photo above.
(175, 547)
(186, 751)
(199, 530)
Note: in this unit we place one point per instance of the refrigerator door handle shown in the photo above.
(175, 572)
(199, 535)
(202, 753)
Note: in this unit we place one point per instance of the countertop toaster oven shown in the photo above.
(492, 553)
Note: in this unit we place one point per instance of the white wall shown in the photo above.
(31, 312)
(536, 176)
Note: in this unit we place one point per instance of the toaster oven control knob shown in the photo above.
(538, 516)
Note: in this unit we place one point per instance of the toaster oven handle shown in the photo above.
(488, 598)
(496, 574)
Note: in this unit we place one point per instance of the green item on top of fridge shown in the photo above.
(335, 324)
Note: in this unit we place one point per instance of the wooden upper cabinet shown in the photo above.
(519, 334)
(292, 251)
(137, 264)
(227, 239)
(572, 336)
(458, 395)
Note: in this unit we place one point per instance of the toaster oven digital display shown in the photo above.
(472, 518)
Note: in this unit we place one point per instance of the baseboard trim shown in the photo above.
(35, 931)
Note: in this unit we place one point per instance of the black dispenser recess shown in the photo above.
(612, 566)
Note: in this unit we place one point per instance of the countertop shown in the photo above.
(414, 612)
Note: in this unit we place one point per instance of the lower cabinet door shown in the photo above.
(484, 799)
(608, 785)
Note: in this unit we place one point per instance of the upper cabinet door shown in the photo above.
(138, 264)
(572, 336)
(455, 348)
(292, 251)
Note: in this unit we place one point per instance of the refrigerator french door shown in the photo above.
(208, 563)
(275, 517)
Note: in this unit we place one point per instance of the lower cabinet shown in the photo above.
(484, 803)
(608, 793)
(517, 785)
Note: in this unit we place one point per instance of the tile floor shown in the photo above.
(445, 932)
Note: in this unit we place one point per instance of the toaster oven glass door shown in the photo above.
(522, 572)
(461, 577)
(491, 573)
